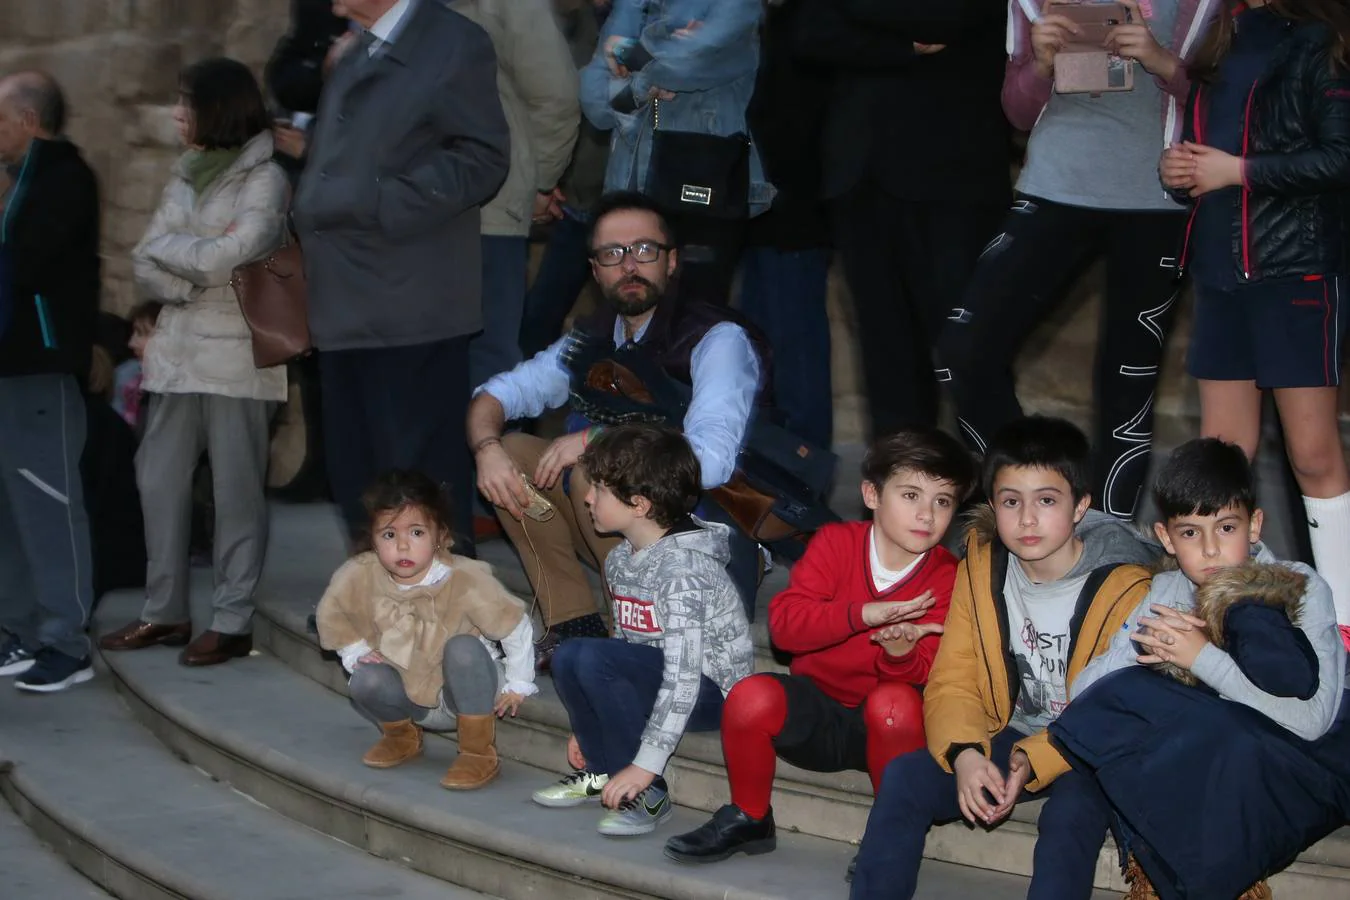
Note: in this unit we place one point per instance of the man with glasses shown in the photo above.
(696, 345)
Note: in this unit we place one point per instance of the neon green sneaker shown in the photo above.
(574, 790)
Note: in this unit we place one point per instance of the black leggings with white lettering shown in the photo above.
(1021, 278)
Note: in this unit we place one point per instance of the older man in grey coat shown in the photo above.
(410, 140)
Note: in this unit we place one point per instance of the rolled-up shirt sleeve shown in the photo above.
(726, 371)
(537, 384)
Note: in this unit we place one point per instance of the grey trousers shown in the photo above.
(472, 681)
(234, 433)
(46, 565)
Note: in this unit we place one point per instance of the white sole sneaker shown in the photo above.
(16, 668)
(75, 678)
(637, 820)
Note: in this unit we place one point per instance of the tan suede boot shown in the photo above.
(1259, 891)
(402, 741)
(477, 762)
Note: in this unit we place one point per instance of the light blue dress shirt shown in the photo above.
(724, 368)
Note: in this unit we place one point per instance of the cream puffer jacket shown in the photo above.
(201, 344)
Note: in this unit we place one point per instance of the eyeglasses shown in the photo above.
(642, 252)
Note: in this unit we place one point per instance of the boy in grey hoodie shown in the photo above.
(682, 639)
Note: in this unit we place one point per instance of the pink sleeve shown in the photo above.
(1025, 92)
(1345, 635)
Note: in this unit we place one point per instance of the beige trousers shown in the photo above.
(550, 550)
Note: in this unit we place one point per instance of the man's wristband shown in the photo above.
(485, 443)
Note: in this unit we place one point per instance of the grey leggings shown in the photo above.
(471, 679)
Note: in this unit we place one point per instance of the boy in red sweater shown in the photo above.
(861, 616)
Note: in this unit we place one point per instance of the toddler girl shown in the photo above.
(418, 629)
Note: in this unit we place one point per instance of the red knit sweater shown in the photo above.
(818, 618)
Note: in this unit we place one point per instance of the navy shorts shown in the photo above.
(1280, 334)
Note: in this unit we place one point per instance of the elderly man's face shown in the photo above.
(365, 12)
(16, 129)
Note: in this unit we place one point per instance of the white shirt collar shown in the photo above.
(884, 579)
(438, 572)
(387, 25)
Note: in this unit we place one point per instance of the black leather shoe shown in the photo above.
(729, 831)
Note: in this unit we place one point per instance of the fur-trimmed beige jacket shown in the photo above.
(201, 343)
(410, 627)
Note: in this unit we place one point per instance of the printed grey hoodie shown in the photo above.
(676, 595)
(1309, 719)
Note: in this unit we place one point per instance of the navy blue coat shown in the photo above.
(1211, 796)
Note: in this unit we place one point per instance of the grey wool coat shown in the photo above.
(408, 144)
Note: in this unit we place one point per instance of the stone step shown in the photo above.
(295, 746)
(90, 781)
(30, 868)
(829, 805)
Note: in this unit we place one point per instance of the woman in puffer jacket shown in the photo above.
(224, 206)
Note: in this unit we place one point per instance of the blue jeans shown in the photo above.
(783, 293)
(609, 687)
(505, 273)
(916, 793)
(563, 274)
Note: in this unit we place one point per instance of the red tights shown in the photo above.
(757, 711)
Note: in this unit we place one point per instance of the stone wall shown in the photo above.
(119, 59)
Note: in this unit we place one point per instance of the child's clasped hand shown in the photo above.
(1172, 637)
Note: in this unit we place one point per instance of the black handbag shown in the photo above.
(699, 174)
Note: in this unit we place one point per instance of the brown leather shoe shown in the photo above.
(211, 648)
(477, 762)
(402, 741)
(138, 635)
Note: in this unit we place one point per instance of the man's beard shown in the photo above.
(629, 306)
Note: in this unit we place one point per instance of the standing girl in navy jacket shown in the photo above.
(1265, 157)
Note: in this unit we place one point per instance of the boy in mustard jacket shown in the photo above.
(1039, 594)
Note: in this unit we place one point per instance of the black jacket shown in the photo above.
(923, 127)
(1292, 216)
(51, 232)
(295, 72)
(786, 115)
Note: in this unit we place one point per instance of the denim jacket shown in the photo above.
(711, 70)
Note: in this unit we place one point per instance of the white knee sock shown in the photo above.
(1329, 527)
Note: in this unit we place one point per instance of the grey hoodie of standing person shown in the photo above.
(1309, 719)
(675, 594)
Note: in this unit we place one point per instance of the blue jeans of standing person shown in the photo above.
(916, 793)
(609, 688)
(783, 293)
(563, 273)
(496, 349)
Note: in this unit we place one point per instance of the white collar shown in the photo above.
(385, 26)
(436, 573)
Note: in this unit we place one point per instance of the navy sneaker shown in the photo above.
(15, 658)
(54, 671)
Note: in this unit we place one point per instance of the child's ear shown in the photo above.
(1081, 508)
(1160, 532)
(1254, 527)
(871, 496)
(641, 506)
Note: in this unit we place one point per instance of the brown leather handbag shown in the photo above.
(273, 296)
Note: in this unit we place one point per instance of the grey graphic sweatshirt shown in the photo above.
(676, 595)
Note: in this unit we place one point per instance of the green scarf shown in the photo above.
(205, 166)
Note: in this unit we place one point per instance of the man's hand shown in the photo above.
(899, 640)
(657, 93)
(1214, 169)
(509, 702)
(975, 774)
(1049, 34)
(928, 49)
(1177, 168)
(561, 455)
(626, 785)
(1019, 773)
(501, 480)
(1135, 41)
(574, 757)
(338, 50)
(1171, 636)
(889, 612)
(289, 141)
(548, 206)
